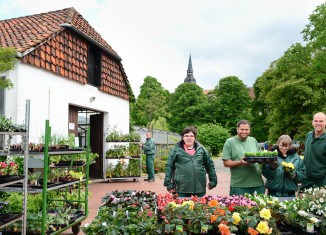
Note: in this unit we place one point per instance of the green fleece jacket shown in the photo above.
(187, 174)
(278, 181)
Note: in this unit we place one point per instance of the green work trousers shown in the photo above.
(150, 166)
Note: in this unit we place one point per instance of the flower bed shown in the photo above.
(135, 212)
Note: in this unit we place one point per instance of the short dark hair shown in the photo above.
(189, 129)
(243, 122)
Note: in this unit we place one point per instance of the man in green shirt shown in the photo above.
(245, 177)
(315, 153)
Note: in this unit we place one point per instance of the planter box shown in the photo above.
(10, 178)
(261, 159)
(5, 218)
(68, 163)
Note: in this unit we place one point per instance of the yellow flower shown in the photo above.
(288, 166)
(236, 218)
(265, 213)
(189, 203)
(301, 156)
(263, 228)
(173, 205)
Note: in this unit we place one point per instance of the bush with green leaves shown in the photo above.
(213, 136)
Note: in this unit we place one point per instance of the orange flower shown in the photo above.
(224, 229)
(213, 203)
(213, 218)
(252, 231)
(219, 212)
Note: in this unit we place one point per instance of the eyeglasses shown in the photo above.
(189, 136)
(284, 146)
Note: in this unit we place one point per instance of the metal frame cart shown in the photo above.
(123, 157)
(25, 138)
(47, 155)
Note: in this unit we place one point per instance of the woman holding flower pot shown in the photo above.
(284, 175)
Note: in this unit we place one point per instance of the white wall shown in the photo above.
(50, 96)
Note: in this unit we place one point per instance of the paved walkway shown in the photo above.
(97, 190)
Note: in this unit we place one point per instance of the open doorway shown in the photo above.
(80, 118)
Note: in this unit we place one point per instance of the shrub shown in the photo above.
(213, 136)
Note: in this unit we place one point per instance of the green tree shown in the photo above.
(213, 137)
(232, 102)
(160, 124)
(7, 62)
(293, 87)
(187, 107)
(150, 104)
(259, 124)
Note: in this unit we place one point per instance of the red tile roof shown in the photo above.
(58, 41)
(27, 32)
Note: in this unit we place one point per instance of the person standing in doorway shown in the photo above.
(245, 177)
(149, 148)
(315, 153)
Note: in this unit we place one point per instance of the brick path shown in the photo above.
(97, 190)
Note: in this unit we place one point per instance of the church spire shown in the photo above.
(190, 77)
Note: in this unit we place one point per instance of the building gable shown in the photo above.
(59, 41)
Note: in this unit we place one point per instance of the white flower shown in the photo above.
(321, 200)
(303, 213)
(314, 220)
(86, 225)
(104, 224)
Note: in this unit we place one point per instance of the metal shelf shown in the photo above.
(11, 221)
(10, 183)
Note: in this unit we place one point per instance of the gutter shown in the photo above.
(66, 25)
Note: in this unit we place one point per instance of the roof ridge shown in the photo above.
(37, 14)
(70, 15)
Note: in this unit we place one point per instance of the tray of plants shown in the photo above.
(262, 157)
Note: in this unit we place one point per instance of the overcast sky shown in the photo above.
(155, 37)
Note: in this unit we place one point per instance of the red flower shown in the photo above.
(231, 208)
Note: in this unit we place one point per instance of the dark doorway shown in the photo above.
(80, 118)
(96, 126)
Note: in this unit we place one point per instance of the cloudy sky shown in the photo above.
(155, 37)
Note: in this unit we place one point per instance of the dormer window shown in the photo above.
(94, 66)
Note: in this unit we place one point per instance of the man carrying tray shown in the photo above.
(245, 176)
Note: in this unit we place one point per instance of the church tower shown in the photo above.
(190, 77)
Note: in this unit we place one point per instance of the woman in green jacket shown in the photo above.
(187, 166)
(284, 175)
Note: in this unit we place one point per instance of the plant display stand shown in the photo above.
(76, 222)
(123, 161)
(7, 180)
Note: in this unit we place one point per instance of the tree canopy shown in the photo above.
(232, 102)
(151, 103)
(187, 107)
(7, 62)
(293, 87)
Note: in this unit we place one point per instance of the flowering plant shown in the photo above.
(288, 167)
(308, 208)
(224, 215)
(10, 168)
(126, 212)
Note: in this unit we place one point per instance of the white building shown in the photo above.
(71, 76)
